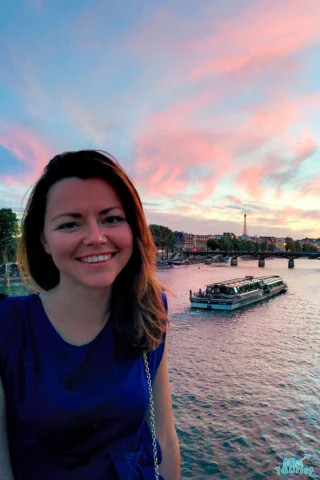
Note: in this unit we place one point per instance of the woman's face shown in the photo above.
(86, 232)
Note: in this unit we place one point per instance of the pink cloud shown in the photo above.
(276, 170)
(250, 178)
(312, 188)
(27, 147)
(189, 48)
(305, 147)
(220, 152)
(10, 181)
(235, 200)
(163, 162)
(275, 32)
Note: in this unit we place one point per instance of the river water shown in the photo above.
(245, 384)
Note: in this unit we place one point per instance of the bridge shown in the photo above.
(260, 256)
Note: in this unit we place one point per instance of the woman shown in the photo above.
(77, 360)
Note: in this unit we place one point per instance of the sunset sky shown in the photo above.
(212, 107)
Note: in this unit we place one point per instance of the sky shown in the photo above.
(211, 107)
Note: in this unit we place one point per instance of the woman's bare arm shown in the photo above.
(5, 466)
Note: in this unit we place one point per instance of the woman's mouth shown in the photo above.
(96, 259)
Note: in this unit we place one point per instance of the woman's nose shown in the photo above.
(95, 235)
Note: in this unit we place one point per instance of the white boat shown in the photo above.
(164, 265)
(237, 293)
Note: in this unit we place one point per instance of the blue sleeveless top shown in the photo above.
(73, 412)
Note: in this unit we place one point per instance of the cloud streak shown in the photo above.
(28, 147)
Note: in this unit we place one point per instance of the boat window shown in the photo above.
(224, 290)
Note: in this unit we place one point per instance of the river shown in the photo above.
(245, 384)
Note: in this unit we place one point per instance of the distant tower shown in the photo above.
(245, 226)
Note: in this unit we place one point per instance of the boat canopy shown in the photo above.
(249, 280)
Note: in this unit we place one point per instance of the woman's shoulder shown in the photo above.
(6, 300)
(164, 300)
(12, 308)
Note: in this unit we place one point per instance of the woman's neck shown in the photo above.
(81, 305)
(78, 316)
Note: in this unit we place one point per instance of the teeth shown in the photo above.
(96, 259)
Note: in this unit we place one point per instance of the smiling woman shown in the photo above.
(96, 239)
(92, 335)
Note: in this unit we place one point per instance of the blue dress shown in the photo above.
(73, 412)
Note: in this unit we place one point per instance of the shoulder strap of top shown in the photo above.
(152, 417)
(164, 300)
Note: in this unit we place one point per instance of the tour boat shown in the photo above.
(164, 265)
(236, 293)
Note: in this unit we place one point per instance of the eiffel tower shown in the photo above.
(245, 226)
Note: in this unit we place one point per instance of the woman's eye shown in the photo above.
(67, 226)
(113, 219)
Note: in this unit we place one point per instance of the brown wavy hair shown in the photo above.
(136, 305)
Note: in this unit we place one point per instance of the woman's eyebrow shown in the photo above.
(79, 215)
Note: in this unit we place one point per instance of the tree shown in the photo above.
(271, 247)
(226, 244)
(298, 247)
(237, 245)
(263, 246)
(213, 244)
(254, 247)
(9, 229)
(309, 248)
(163, 237)
(290, 245)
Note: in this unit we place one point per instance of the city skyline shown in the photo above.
(211, 108)
(19, 213)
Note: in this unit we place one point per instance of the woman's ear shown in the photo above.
(44, 243)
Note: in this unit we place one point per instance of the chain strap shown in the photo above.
(152, 417)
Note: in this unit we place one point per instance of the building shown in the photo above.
(267, 240)
(280, 244)
(191, 242)
(247, 238)
(310, 241)
(200, 242)
(184, 241)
